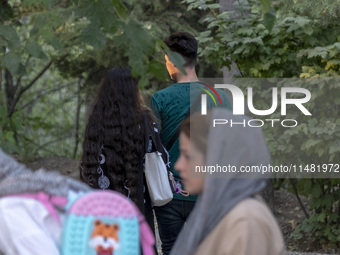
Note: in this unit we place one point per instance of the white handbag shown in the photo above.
(157, 179)
(160, 182)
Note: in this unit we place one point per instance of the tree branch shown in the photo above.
(27, 61)
(79, 103)
(18, 82)
(42, 146)
(30, 84)
(44, 93)
(38, 145)
(58, 105)
(299, 199)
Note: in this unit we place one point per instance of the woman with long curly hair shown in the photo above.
(115, 143)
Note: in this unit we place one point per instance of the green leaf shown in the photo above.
(3, 43)
(265, 5)
(320, 152)
(198, 4)
(227, 37)
(34, 49)
(233, 43)
(93, 36)
(213, 24)
(224, 15)
(177, 60)
(302, 21)
(11, 62)
(213, 6)
(3, 115)
(245, 31)
(256, 40)
(9, 35)
(139, 45)
(120, 9)
(21, 70)
(174, 57)
(143, 81)
(318, 52)
(333, 149)
(321, 217)
(9, 136)
(333, 218)
(308, 30)
(328, 200)
(269, 19)
(56, 43)
(307, 185)
(17, 124)
(188, 1)
(205, 33)
(157, 69)
(239, 50)
(316, 191)
(310, 143)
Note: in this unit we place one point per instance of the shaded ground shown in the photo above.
(286, 208)
(65, 166)
(289, 215)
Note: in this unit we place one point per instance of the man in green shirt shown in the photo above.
(171, 106)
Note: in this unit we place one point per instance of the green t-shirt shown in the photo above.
(171, 106)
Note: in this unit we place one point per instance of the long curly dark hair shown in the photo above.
(116, 129)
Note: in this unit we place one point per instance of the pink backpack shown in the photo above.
(105, 223)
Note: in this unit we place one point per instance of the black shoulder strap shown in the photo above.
(150, 133)
(147, 131)
(191, 110)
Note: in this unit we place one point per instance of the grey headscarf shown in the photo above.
(15, 178)
(237, 146)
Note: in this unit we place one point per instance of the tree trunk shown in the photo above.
(90, 99)
(10, 92)
(79, 104)
(0, 80)
(1, 103)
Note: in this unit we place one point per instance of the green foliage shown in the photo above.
(36, 34)
(46, 44)
(323, 225)
(326, 11)
(120, 9)
(302, 43)
(7, 125)
(259, 51)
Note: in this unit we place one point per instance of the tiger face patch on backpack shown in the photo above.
(105, 223)
(104, 237)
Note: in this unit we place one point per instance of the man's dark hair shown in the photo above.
(184, 44)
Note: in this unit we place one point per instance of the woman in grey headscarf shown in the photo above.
(229, 218)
